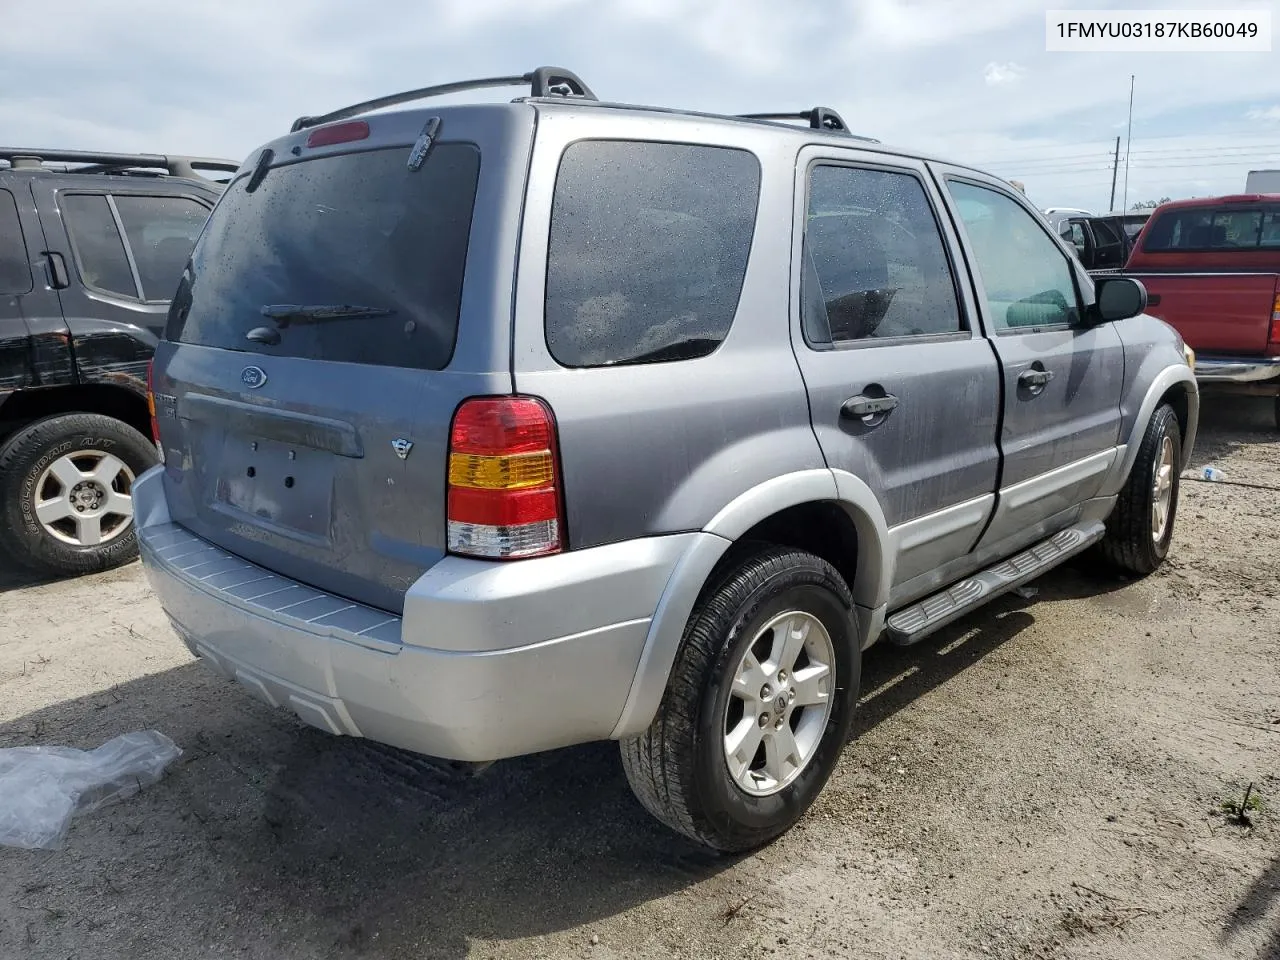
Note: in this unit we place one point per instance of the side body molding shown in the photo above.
(870, 589)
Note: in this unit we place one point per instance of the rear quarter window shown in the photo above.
(161, 232)
(648, 250)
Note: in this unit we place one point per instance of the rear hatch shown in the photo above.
(331, 320)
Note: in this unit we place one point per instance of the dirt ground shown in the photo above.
(1044, 779)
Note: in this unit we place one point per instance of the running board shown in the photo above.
(914, 623)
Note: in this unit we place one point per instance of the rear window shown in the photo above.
(648, 251)
(350, 258)
(15, 271)
(1214, 228)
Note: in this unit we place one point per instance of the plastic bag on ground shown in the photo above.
(42, 788)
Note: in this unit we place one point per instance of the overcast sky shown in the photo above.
(968, 79)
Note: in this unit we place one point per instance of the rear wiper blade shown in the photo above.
(285, 313)
(689, 349)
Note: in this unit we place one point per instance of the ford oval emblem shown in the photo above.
(253, 377)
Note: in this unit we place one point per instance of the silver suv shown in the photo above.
(495, 428)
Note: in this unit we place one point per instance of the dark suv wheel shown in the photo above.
(758, 705)
(65, 493)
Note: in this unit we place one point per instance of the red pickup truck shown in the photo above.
(1212, 271)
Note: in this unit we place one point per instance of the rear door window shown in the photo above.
(875, 266)
(99, 251)
(161, 233)
(648, 250)
(1106, 234)
(15, 269)
(374, 252)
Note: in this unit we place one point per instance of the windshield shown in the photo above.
(359, 241)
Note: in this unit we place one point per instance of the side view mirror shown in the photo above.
(1118, 298)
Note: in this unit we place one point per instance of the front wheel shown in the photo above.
(758, 705)
(66, 484)
(1140, 527)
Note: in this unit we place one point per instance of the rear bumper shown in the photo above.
(489, 661)
(1243, 370)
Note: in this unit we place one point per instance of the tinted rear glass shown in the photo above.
(100, 254)
(15, 271)
(354, 231)
(649, 245)
(1215, 228)
(161, 232)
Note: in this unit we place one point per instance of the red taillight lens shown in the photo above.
(151, 402)
(338, 133)
(1274, 338)
(505, 498)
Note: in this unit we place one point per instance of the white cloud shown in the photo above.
(1264, 114)
(996, 74)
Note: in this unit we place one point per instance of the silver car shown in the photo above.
(495, 428)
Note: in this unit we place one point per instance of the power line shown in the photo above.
(1166, 151)
(1243, 157)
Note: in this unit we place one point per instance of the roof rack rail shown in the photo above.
(96, 161)
(819, 118)
(543, 82)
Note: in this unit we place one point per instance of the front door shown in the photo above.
(1062, 377)
(903, 392)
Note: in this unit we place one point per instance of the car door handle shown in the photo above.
(58, 277)
(856, 408)
(1034, 379)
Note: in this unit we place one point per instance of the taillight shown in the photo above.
(505, 495)
(151, 402)
(1274, 338)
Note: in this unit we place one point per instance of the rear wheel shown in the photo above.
(66, 483)
(1140, 527)
(758, 705)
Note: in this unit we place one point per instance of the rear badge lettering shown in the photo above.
(402, 447)
(253, 377)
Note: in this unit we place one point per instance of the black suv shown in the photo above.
(92, 246)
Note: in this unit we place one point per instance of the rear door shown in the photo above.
(33, 346)
(125, 245)
(903, 392)
(1062, 379)
(331, 321)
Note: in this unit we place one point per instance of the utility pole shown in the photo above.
(1115, 168)
(1128, 145)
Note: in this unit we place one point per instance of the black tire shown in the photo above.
(1130, 544)
(1277, 412)
(677, 768)
(23, 461)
